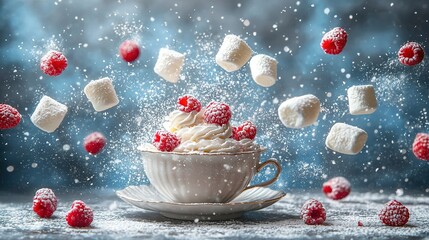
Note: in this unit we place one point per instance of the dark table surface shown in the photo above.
(115, 219)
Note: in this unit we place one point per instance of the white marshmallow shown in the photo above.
(233, 53)
(264, 70)
(169, 64)
(101, 94)
(299, 112)
(48, 114)
(346, 139)
(361, 99)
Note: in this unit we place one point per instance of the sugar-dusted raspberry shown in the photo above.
(129, 50)
(9, 117)
(44, 203)
(394, 214)
(94, 142)
(360, 224)
(336, 188)
(79, 215)
(411, 54)
(245, 130)
(53, 63)
(334, 41)
(421, 146)
(165, 141)
(188, 103)
(313, 213)
(217, 113)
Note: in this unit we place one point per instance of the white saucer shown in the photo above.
(146, 197)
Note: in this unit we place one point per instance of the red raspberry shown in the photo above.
(129, 50)
(336, 188)
(9, 117)
(188, 103)
(411, 54)
(394, 214)
(165, 141)
(313, 213)
(245, 130)
(334, 41)
(217, 113)
(79, 215)
(53, 63)
(421, 146)
(360, 224)
(94, 142)
(44, 203)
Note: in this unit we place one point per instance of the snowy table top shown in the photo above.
(116, 219)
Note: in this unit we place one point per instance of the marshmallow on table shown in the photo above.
(299, 112)
(346, 139)
(362, 99)
(264, 70)
(101, 94)
(233, 53)
(169, 64)
(48, 114)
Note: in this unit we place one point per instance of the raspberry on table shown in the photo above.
(9, 117)
(53, 63)
(336, 188)
(245, 130)
(313, 212)
(80, 215)
(94, 143)
(394, 214)
(217, 113)
(165, 141)
(188, 104)
(129, 50)
(334, 41)
(44, 203)
(421, 146)
(411, 54)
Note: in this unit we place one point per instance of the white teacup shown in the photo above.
(204, 177)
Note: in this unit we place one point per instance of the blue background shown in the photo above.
(90, 32)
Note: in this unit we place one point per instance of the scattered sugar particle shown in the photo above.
(76, 180)
(246, 22)
(399, 192)
(239, 5)
(34, 165)
(348, 75)
(326, 11)
(391, 4)
(66, 147)
(286, 49)
(10, 168)
(350, 17)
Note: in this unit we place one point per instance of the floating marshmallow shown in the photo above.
(264, 70)
(299, 112)
(233, 53)
(346, 139)
(362, 99)
(48, 114)
(169, 64)
(101, 94)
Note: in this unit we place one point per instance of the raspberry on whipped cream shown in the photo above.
(188, 103)
(217, 113)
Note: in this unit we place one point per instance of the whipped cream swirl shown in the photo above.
(197, 136)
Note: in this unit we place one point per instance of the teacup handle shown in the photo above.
(274, 162)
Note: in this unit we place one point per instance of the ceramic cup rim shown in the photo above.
(145, 150)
